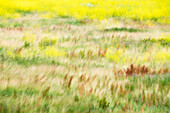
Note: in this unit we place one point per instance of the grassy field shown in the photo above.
(53, 59)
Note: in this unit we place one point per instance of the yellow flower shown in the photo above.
(94, 9)
(53, 52)
(28, 38)
(115, 55)
(162, 56)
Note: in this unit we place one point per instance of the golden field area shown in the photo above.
(94, 9)
(84, 56)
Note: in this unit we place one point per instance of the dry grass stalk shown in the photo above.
(82, 78)
(45, 92)
(99, 52)
(125, 108)
(2, 65)
(142, 109)
(65, 77)
(90, 91)
(1, 109)
(69, 81)
(36, 79)
(18, 50)
(104, 52)
(72, 54)
(81, 88)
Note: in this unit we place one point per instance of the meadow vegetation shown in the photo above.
(84, 56)
(156, 10)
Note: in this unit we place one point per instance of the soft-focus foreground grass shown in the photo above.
(50, 62)
(67, 65)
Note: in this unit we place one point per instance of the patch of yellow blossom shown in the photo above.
(162, 56)
(28, 38)
(94, 9)
(52, 52)
(116, 55)
(45, 49)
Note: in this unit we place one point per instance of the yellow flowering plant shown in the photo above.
(157, 10)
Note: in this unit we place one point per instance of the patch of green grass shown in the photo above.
(35, 61)
(23, 12)
(125, 29)
(57, 21)
(15, 92)
(11, 24)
